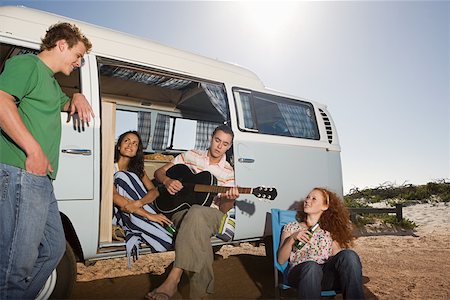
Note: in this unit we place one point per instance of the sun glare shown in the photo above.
(270, 19)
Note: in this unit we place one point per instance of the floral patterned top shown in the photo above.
(318, 249)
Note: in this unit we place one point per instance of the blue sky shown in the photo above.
(382, 68)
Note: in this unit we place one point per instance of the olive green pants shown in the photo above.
(193, 250)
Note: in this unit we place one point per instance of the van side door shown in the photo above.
(75, 180)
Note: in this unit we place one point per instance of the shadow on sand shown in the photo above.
(242, 276)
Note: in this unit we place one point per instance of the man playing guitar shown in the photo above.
(197, 224)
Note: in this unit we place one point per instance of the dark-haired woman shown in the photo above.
(133, 194)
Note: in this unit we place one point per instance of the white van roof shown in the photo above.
(30, 25)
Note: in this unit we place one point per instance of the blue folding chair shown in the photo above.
(279, 219)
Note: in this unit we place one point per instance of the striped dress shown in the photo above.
(138, 229)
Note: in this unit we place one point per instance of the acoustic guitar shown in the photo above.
(200, 189)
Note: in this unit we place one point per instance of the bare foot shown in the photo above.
(168, 288)
(154, 295)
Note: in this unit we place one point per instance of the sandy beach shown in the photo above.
(397, 264)
(401, 265)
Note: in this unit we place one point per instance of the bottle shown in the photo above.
(299, 244)
(171, 229)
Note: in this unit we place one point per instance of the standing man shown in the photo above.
(196, 225)
(31, 100)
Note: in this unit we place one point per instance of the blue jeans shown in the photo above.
(32, 241)
(342, 272)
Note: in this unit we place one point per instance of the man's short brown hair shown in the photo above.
(226, 129)
(64, 31)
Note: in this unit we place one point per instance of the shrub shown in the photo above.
(404, 223)
(439, 189)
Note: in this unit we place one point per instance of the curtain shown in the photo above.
(144, 126)
(204, 132)
(247, 110)
(299, 120)
(218, 98)
(161, 134)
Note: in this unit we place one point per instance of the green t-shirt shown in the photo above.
(39, 100)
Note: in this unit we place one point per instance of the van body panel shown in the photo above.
(75, 162)
(292, 170)
(84, 216)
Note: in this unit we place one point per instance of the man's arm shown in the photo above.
(11, 123)
(228, 199)
(173, 186)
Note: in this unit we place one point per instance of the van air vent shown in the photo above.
(328, 127)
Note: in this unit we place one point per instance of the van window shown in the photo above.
(171, 112)
(182, 133)
(126, 121)
(177, 133)
(275, 115)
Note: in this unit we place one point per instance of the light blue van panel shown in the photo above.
(293, 170)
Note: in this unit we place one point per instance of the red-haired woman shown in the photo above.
(325, 262)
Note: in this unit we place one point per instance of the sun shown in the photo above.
(270, 19)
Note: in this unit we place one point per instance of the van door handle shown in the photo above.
(77, 151)
(246, 160)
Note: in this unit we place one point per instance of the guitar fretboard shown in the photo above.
(219, 189)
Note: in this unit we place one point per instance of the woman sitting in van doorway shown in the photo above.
(321, 259)
(133, 194)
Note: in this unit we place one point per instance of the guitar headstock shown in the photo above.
(265, 193)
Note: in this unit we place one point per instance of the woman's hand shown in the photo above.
(135, 206)
(303, 235)
(159, 218)
(132, 206)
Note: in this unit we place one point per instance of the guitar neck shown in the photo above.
(219, 189)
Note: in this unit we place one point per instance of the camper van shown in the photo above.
(174, 99)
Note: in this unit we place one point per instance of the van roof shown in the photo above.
(30, 25)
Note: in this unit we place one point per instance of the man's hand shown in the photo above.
(37, 163)
(231, 194)
(81, 106)
(173, 186)
(226, 200)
